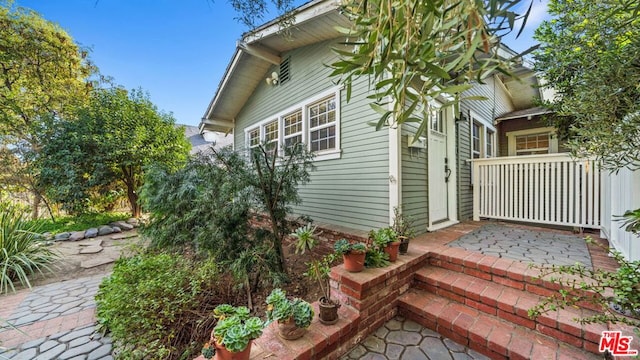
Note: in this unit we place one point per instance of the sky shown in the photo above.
(176, 50)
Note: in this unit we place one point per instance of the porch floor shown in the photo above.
(527, 244)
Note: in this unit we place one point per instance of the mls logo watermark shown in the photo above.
(616, 344)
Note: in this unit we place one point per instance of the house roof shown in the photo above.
(318, 20)
(262, 48)
(525, 113)
(202, 142)
(197, 140)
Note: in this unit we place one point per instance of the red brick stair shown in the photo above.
(487, 334)
(482, 302)
(510, 304)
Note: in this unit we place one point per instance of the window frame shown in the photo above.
(476, 153)
(485, 129)
(303, 106)
(300, 133)
(490, 143)
(551, 131)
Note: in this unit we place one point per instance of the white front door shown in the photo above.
(439, 171)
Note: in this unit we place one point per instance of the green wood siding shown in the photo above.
(415, 187)
(497, 103)
(352, 191)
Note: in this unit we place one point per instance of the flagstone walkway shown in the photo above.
(404, 339)
(54, 321)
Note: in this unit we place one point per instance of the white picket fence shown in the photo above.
(552, 189)
(621, 192)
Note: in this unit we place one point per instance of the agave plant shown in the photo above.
(22, 252)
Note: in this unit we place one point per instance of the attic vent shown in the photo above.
(284, 70)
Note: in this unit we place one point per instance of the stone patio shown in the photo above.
(527, 244)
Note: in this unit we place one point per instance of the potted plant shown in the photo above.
(353, 254)
(386, 240)
(234, 332)
(403, 226)
(293, 316)
(319, 270)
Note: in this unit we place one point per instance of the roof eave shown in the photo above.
(250, 45)
(522, 116)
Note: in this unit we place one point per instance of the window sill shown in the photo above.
(328, 155)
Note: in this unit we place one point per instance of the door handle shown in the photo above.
(447, 173)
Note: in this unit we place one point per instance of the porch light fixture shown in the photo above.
(461, 117)
(273, 79)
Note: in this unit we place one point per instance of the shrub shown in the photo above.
(614, 292)
(209, 204)
(22, 253)
(160, 306)
(201, 204)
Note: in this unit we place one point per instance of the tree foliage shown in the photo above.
(275, 181)
(112, 140)
(43, 74)
(415, 51)
(43, 70)
(590, 55)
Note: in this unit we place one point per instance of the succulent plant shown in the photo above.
(383, 237)
(281, 308)
(343, 246)
(235, 327)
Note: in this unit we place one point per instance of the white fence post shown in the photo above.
(476, 190)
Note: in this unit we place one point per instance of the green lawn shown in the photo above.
(77, 223)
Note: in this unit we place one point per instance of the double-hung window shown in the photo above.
(314, 122)
(322, 124)
(483, 138)
(490, 138)
(253, 137)
(271, 133)
(292, 128)
(476, 149)
(532, 144)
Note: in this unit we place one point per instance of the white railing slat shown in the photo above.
(550, 189)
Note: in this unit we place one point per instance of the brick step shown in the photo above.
(511, 273)
(511, 305)
(487, 334)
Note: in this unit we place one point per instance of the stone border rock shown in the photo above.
(114, 227)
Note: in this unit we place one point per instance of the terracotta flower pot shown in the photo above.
(404, 245)
(392, 250)
(328, 314)
(354, 261)
(223, 354)
(288, 330)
